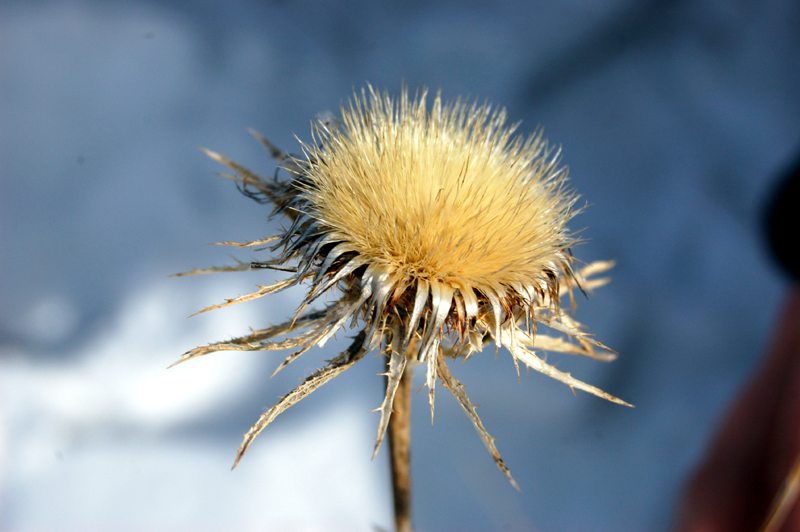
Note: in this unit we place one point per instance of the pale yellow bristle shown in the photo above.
(446, 195)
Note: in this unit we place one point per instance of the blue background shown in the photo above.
(675, 118)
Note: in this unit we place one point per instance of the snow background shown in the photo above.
(675, 118)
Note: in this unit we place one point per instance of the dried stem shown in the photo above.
(400, 452)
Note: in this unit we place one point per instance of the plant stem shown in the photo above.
(400, 452)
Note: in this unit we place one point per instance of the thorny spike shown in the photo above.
(344, 361)
(239, 267)
(332, 255)
(456, 388)
(262, 291)
(271, 265)
(548, 343)
(346, 270)
(397, 364)
(513, 328)
(253, 342)
(245, 177)
(274, 152)
(346, 309)
(248, 243)
(536, 363)
(433, 356)
(291, 358)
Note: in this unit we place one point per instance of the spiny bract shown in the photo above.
(442, 231)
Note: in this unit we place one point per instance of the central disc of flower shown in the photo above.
(445, 195)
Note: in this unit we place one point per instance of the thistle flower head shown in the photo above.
(444, 196)
(438, 230)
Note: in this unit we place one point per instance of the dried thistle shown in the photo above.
(442, 232)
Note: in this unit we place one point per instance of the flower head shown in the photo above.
(441, 231)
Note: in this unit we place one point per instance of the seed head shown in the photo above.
(441, 231)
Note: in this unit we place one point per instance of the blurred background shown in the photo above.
(676, 119)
